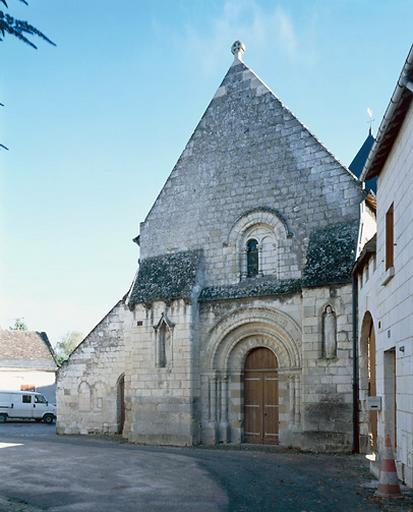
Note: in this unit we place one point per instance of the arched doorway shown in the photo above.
(121, 403)
(368, 379)
(261, 415)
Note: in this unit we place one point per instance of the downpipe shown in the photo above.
(356, 413)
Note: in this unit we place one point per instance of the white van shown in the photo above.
(26, 404)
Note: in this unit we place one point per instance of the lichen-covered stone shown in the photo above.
(331, 254)
(259, 287)
(167, 277)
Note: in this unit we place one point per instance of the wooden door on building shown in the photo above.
(261, 397)
(390, 395)
(121, 404)
(372, 388)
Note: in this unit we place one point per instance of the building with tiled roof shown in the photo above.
(27, 362)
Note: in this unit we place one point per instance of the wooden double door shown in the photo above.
(261, 414)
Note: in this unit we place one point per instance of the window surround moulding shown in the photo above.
(164, 320)
(265, 209)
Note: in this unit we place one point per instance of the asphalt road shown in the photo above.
(40, 471)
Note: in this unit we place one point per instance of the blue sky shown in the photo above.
(96, 124)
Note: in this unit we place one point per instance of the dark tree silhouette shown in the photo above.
(19, 28)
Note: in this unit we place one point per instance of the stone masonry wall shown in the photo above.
(315, 393)
(327, 383)
(87, 385)
(163, 400)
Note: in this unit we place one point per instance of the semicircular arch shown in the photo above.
(268, 326)
(265, 216)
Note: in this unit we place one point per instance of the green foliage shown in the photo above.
(19, 325)
(19, 28)
(67, 345)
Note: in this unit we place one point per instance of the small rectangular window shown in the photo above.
(390, 237)
(27, 399)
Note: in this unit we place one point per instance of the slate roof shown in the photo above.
(330, 259)
(392, 121)
(331, 253)
(357, 165)
(166, 277)
(26, 348)
(259, 287)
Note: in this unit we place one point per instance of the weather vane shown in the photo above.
(371, 118)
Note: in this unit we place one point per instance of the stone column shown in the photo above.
(260, 271)
(213, 406)
(243, 263)
(292, 398)
(223, 423)
(297, 412)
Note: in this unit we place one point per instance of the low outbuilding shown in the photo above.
(27, 362)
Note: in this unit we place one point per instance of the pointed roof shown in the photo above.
(240, 78)
(359, 161)
(238, 49)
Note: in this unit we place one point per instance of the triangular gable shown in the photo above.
(259, 88)
(246, 143)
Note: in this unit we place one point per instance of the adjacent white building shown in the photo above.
(384, 275)
(27, 363)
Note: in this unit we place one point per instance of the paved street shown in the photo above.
(40, 471)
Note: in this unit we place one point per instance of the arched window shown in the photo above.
(252, 257)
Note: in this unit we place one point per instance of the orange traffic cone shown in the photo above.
(388, 484)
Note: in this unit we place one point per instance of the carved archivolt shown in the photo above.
(232, 338)
(237, 353)
(263, 216)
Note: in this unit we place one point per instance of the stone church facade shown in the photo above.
(238, 325)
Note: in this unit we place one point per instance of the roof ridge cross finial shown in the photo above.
(237, 49)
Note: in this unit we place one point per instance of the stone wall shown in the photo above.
(87, 385)
(327, 383)
(315, 393)
(160, 402)
(164, 400)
